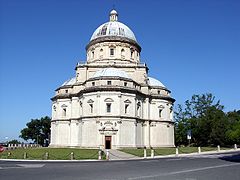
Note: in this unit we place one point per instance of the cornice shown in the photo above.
(114, 39)
(113, 88)
(94, 117)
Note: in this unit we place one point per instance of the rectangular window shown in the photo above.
(160, 113)
(91, 108)
(111, 52)
(93, 83)
(125, 83)
(109, 82)
(108, 107)
(126, 108)
(64, 113)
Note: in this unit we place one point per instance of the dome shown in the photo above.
(111, 72)
(154, 82)
(69, 82)
(113, 28)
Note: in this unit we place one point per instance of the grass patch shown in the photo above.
(187, 150)
(158, 151)
(53, 153)
(169, 151)
(135, 152)
(164, 151)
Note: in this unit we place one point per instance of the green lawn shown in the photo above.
(168, 151)
(53, 153)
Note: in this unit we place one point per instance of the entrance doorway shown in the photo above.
(108, 140)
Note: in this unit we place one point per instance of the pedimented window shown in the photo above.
(90, 101)
(108, 100)
(64, 106)
(127, 101)
(161, 107)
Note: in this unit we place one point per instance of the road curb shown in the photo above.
(132, 159)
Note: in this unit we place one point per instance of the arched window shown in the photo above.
(92, 54)
(108, 104)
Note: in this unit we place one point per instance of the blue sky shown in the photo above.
(192, 47)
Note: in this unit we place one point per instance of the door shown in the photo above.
(108, 140)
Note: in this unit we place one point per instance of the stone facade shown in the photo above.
(112, 102)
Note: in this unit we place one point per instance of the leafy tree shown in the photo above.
(211, 128)
(14, 141)
(203, 116)
(233, 133)
(37, 130)
(181, 126)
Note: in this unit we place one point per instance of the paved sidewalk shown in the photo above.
(119, 155)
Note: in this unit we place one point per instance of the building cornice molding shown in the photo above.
(114, 39)
(113, 88)
(94, 117)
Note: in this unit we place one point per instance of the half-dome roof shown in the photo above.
(113, 28)
(111, 72)
(69, 82)
(154, 82)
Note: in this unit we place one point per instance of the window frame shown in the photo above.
(109, 83)
(112, 51)
(108, 107)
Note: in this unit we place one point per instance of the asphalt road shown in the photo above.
(204, 167)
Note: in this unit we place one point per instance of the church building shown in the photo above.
(112, 102)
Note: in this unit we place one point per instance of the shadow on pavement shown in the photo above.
(233, 158)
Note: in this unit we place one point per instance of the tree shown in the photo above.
(37, 130)
(14, 141)
(211, 128)
(233, 133)
(199, 114)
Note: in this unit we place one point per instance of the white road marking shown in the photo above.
(187, 171)
(31, 165)
(17, 166)
(149, 161)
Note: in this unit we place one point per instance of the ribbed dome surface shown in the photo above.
(113, 28)
(111, 72)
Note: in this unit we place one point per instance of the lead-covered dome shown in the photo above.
(69, 82)
(113, 28)
(154, 82)
(111, 72)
